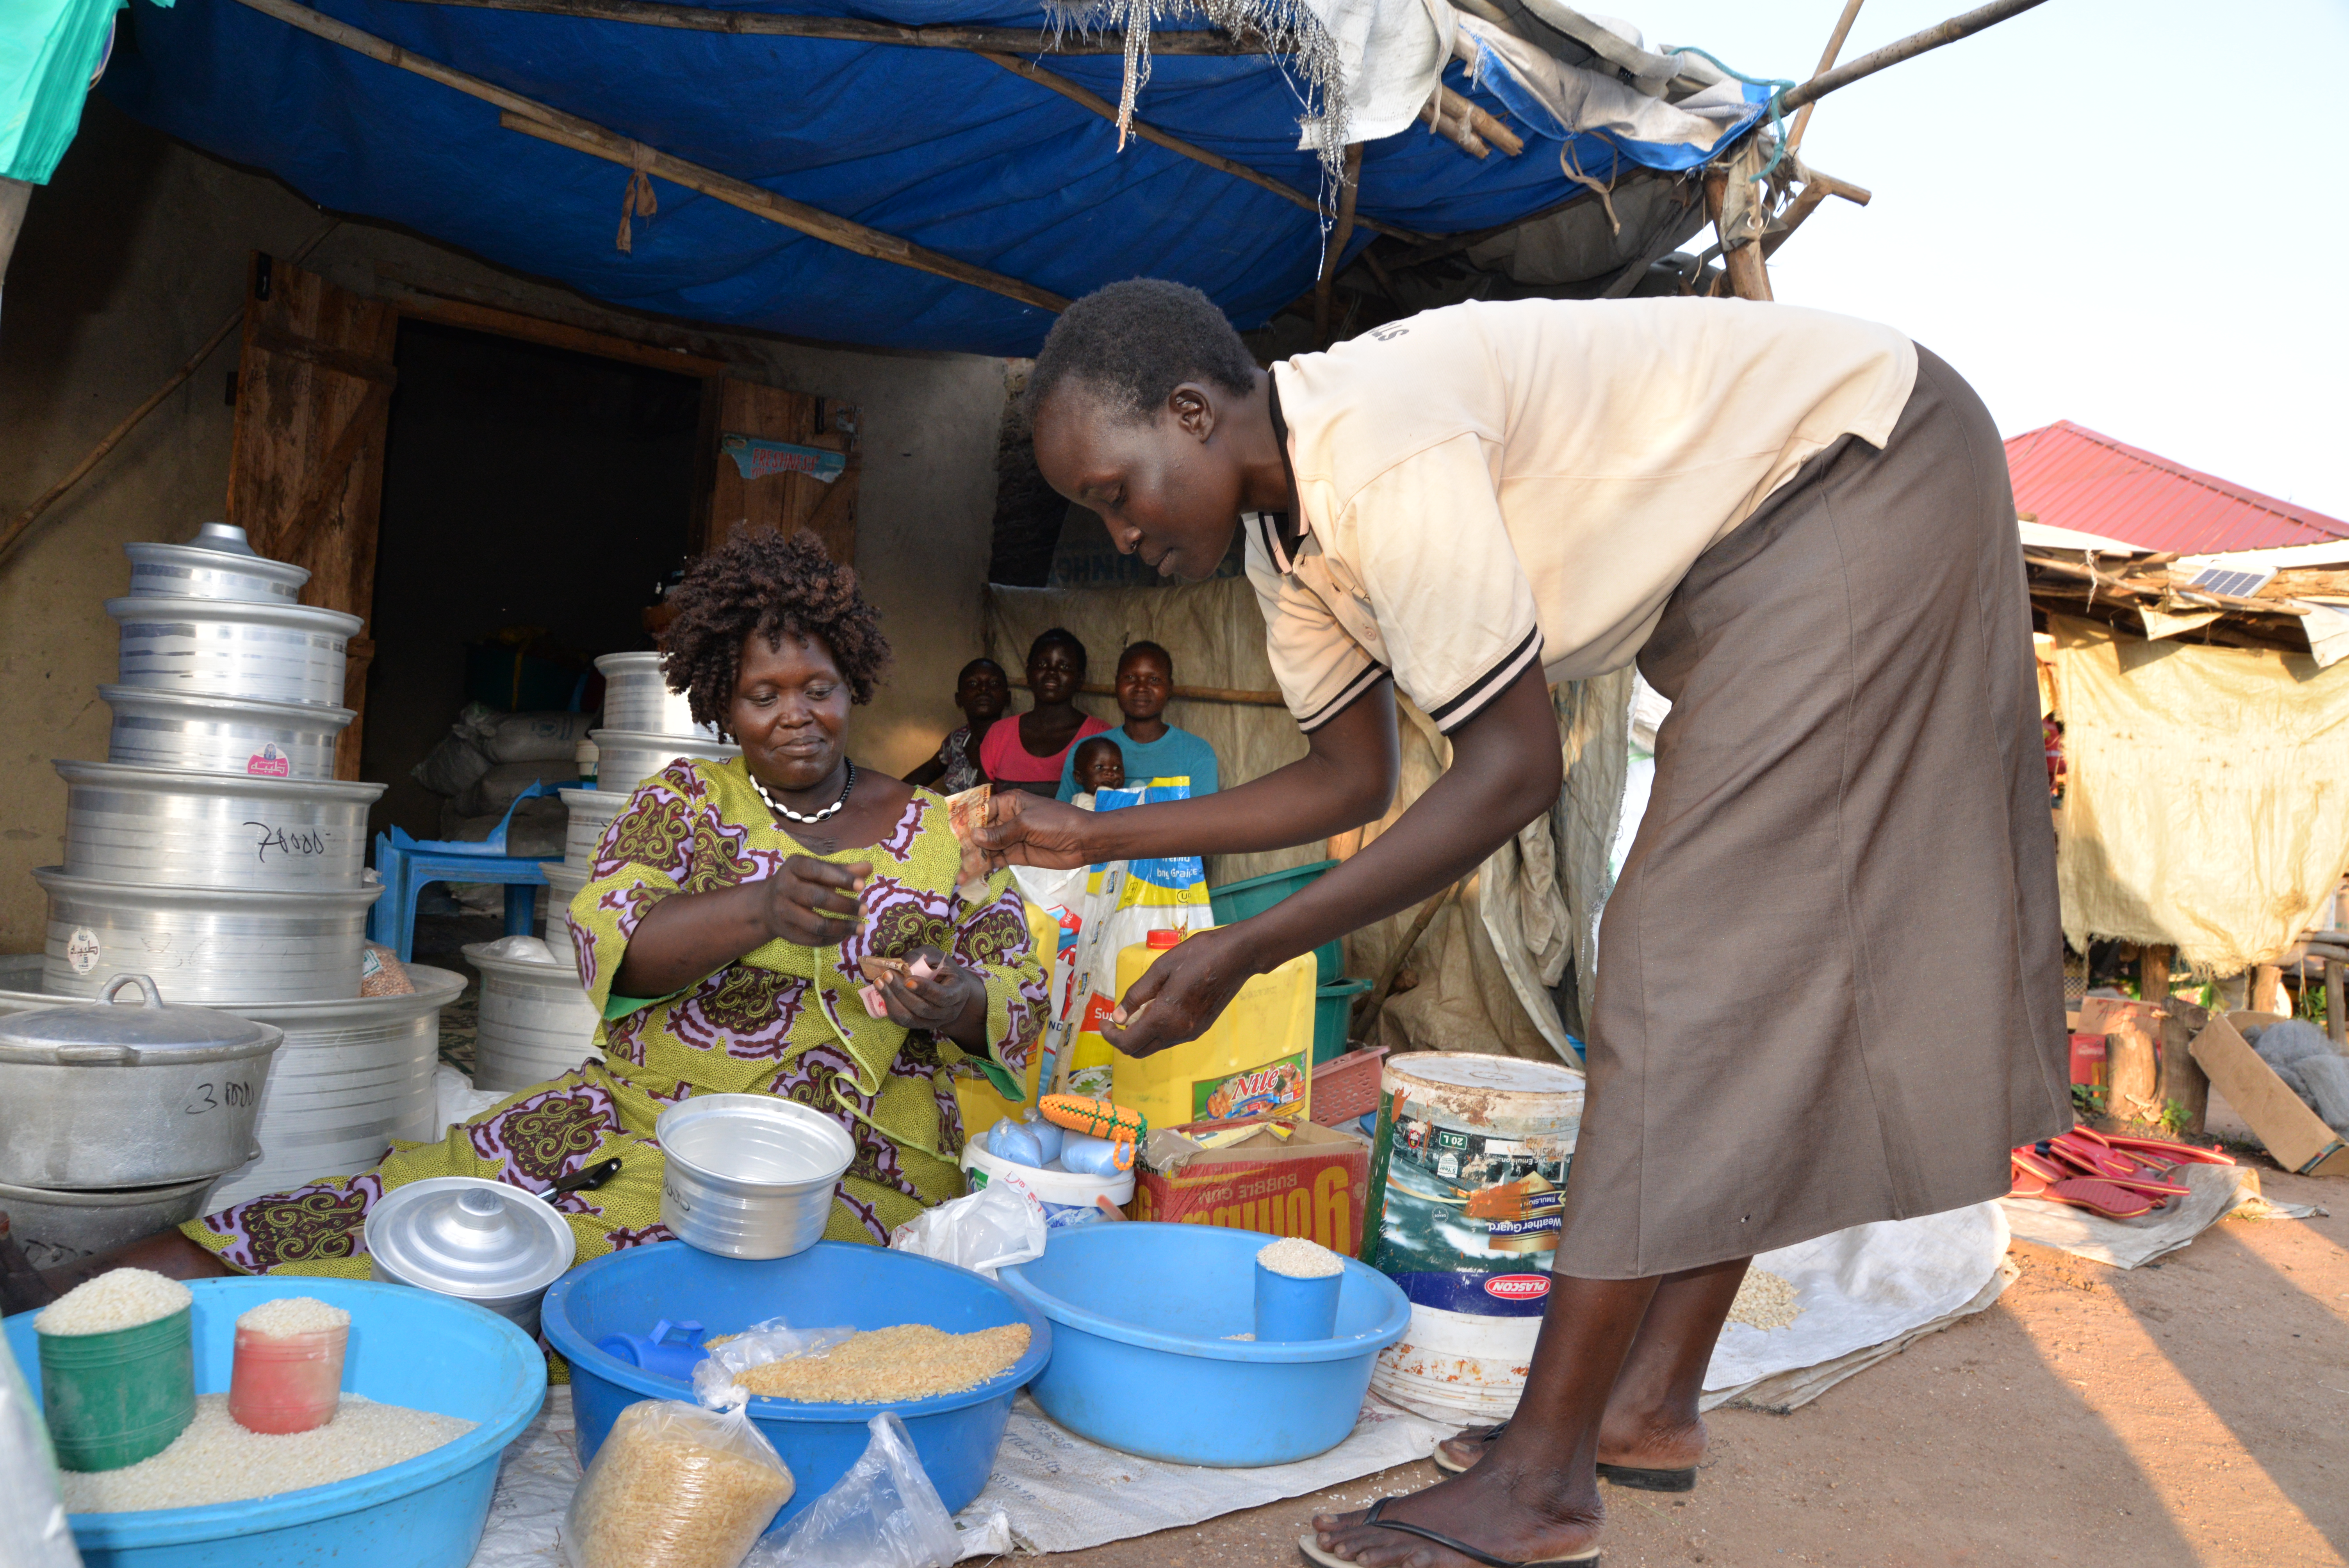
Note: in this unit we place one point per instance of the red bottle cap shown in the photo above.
(1165, 936)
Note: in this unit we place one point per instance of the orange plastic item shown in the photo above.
(287, 1384)
(1097, 1119)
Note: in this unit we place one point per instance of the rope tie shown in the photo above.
(1779, 87)
(1571, 167)
(637, 200)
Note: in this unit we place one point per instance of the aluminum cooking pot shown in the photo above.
(114, 1094)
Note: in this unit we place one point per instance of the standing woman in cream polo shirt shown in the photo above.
(1830, 989)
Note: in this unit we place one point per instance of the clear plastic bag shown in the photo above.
(33, 1528)
(675, 1486)
(883, 1513)
(716, 1381)
(985, 1230)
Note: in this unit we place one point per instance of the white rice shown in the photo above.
(291, 1314)
(217, 1460)
(1301, 1259)
(124, 1298)
(1764, 1301)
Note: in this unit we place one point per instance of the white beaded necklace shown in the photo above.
(774, 805)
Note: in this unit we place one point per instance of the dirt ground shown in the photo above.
(2191, 1411)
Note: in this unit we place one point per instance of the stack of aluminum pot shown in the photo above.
(215, 851)
(646, 726)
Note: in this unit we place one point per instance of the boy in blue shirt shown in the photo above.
(1153, 747)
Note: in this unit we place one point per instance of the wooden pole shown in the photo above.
(1908, 48)
(1108, 111)
(1341, 234)
(756, 199)
(2336, 1001)
(549, 124)
(1427, 913)
(114, 438)
(1188, 694)
(1486, 126)
(1748, 278)
(1827, 59)
(853, 30)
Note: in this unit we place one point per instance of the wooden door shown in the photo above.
(772, 458)
(305, 471)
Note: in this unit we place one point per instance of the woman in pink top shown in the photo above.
(1024, 750)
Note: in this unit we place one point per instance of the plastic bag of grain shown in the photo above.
(675, 1486)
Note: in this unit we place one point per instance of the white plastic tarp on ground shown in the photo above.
(1864, 1293)
(1050, 1491)
(2215, 1192)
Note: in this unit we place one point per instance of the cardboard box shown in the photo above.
(2294, 1134)
(1311, 1184)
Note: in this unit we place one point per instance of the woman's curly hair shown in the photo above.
(776, 586)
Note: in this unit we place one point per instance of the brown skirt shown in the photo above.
(1830, 979)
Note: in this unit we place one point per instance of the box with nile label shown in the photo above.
(1282, 1177)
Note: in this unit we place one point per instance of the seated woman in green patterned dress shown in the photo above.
(719, 937)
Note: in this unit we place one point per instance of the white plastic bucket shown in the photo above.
(1067, 1197)
(1468, 1173)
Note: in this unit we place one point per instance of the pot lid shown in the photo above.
(464, 1236)
(224, 537)
(115, 1031)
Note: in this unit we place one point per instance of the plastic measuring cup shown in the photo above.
(286, 1383)
(114, 1399)
(1289, 1308)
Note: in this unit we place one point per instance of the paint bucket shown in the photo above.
(1468, 1172)
(114, 1399)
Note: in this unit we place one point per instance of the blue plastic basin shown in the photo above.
(1141, 1361)
(831, 1284)
(407, 1348)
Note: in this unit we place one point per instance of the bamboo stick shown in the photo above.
(114, 438)
(1748, 278)
(1341, 234)
(1150, 133)
(1485, 125)
(1827, 63)
(1907, 48)
(1456, 130)
(812, 221)
(855, 30)
(549, 124)
(1237, 695)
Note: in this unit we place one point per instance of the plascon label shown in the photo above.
(1517, 1287)
(82, 950)
(269, 763)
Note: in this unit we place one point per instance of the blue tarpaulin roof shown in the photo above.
(937, 146)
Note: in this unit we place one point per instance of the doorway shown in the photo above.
(534, 499)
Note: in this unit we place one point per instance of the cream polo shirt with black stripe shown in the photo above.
(1489, 486)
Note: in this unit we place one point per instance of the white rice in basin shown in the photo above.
(1301, 1259)
(124, 1298)
(291, 1314)
(217, 1460)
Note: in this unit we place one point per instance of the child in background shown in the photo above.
(1096, 765)
(1151, 747)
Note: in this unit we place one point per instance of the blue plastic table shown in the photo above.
(407, 866)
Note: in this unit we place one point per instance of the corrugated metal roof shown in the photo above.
(2068, 477)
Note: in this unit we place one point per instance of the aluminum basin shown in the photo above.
(161, 826)
(749, 1175)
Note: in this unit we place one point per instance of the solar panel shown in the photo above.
(2241, 582)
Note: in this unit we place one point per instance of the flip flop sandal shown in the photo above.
(1632, 1476)
(2162, 1149)
(1313, 1552)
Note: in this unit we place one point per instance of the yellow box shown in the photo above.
(980, 1105)
(1257, 1059)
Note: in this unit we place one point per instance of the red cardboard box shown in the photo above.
(1311, 1184)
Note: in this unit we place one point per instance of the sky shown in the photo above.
(2118, 212)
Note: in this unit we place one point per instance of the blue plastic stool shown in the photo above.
(405, 865)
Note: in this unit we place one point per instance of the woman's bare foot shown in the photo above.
(1653, 1443)
(1505, 1509)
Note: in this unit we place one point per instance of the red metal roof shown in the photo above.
(2068, 477)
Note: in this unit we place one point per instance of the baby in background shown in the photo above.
(1098, 765)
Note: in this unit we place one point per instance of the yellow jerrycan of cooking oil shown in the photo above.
(1257, 1060)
